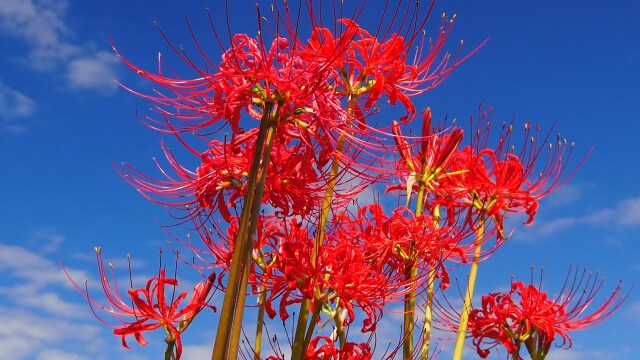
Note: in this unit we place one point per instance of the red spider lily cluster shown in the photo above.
(526, 315)
(279, 202)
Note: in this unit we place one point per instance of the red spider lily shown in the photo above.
(148, 309)
(295, 181)
(390, 240)
(497, 182)
(328, 351)
(364, 66)
(430, 162)
(341, 274)
(526, 315)
(248, 76)
(220, 245)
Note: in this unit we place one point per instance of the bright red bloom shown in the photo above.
(389, 241)
(365, 66)
(328, 351)
(526, 315)
(497, 182)
(430, 162)
(147, 308)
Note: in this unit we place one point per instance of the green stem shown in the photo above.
(339, 327)
(312, 327)
(236, 332)
(301, 327)
(297, 350)
(228, 309)
(428, 311)
(466, 308)
(428, 315)
(168, 354)
(262, 298)
(409, 312)
(530, 343)
(410, 298)
(516, 354)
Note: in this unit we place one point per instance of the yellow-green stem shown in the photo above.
(236, 331)
(257, 346)
(234, 344)
(428, 311)
(339, 321)
(169, 353)
(297, 350)
(466, 307)
(228, 309)
(301, 327)
(428, 316)
(410, 298)
(312, 326)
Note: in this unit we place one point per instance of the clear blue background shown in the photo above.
(64, 124)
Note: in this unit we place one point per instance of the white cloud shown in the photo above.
(92, 72)
(20, 338)
(46, 240)
(30, 268)
(198, 351)
(633, 310)
(566, 194)
(623, 215)
(628, 212)
(14, 105)
(39, 321)
(57, 354)
(573, 354)
(555, 225)
(41, 25)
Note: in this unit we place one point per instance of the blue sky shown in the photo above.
(64, 124)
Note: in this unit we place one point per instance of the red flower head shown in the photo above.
(497, 182)
(147, 308)
(328, 351)
(526, 315)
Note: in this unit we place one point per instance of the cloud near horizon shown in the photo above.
(35, 291)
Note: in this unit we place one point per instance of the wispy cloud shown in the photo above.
(39, 321)
(575, 354)
(52, 45)
(93, 71)
(14, 107)
(633, 310)
(40, 24)
(624, 214)
(26, 334)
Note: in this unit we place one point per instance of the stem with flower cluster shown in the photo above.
(410, 299)
(244, 239)
(428, 317)
(298, 349)
(262, 299)
(466, 308)
(253, 226)
(169, 354)
(305, 306)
